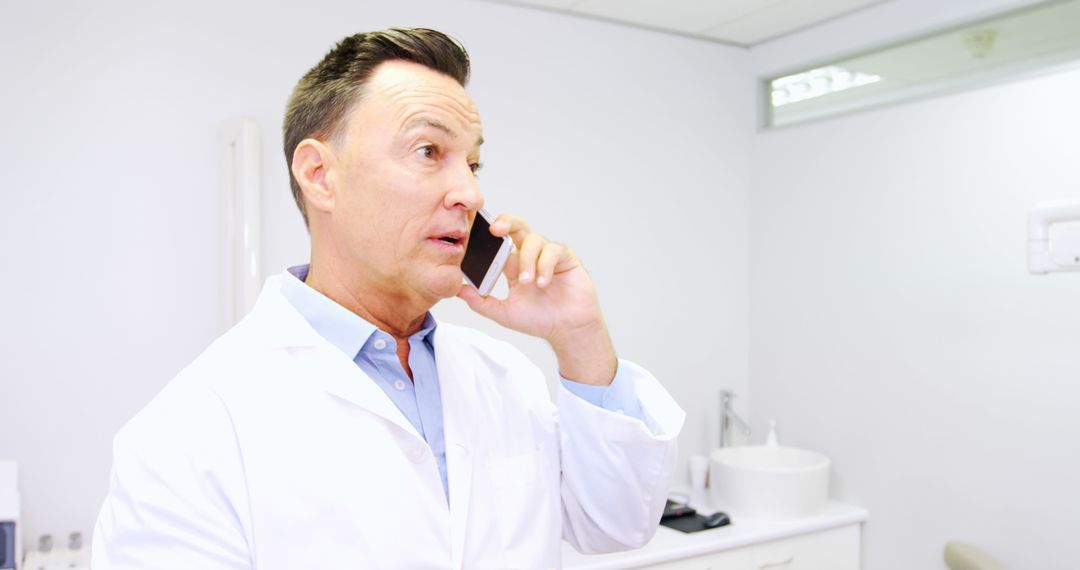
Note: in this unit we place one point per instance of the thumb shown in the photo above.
(490, 307)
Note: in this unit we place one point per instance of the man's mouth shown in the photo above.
(454, 239)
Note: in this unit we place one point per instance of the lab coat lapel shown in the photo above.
(284, 328)
(343, 379)
(454, 360)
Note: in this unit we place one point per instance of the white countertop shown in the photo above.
(669, 544)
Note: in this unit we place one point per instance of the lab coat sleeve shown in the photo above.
(616, 469)
(176, 497)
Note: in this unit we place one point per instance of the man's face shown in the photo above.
(407, 190)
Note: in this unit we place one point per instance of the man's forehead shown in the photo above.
(403, 84)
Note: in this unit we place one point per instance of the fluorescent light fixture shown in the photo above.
(816, 83)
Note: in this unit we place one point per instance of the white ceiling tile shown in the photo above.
(686, 16)
(553, 4)
(782, 18)
(745, 22)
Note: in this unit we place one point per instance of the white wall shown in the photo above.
(894, 325)
(629, 145)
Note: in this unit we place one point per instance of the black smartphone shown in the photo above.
(485, 254)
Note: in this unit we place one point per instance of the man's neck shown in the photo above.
(396, 314)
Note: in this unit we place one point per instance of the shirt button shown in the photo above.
(380, 344)
(417, 454)
(620, 411)
(400, 385)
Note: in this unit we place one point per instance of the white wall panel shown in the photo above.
(895, 327)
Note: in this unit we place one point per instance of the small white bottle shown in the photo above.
(770, 440)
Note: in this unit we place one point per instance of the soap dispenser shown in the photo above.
(770, 440)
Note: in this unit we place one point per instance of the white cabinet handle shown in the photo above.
(789, 560)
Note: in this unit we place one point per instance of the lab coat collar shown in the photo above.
(279, 326)
(276, 323)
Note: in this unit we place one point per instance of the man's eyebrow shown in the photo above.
(425, 121)
(435, 124)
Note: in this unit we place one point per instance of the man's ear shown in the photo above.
(313, 166)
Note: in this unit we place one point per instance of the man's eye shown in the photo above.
(427, 151)
(475, 167)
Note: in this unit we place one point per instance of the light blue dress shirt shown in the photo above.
(375, 352)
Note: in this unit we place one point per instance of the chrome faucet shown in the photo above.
(727, 414)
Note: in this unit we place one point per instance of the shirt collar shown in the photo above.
(338, 325)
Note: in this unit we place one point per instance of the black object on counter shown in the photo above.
(675, 510)
(683, 518)
(716, 519)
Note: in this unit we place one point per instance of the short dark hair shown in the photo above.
(325, 94)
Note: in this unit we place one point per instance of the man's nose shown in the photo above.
(464, 190)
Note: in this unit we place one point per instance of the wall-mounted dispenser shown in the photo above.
(1054, 237)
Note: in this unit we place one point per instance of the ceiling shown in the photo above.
(739, 22)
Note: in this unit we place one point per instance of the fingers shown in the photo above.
(528, 253)
(510, 270)
(513, 226)
(536, 259)
(550, 256)
(540, 260)
(490, 307)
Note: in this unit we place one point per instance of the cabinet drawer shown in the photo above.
(834, 549)
(737, 559)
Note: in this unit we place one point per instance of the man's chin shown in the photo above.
(446, 286)
(452, 290)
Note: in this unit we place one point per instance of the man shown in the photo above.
(338, 425)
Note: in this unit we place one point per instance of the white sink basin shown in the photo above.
(769, 481)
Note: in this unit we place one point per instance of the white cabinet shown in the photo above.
(827, 541)
(738, 559)
(832, 549)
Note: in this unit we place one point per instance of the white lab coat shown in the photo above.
(273, 450)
